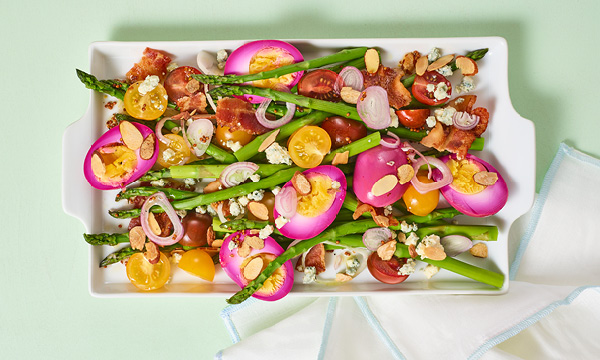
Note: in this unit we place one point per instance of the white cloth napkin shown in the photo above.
(552, 310)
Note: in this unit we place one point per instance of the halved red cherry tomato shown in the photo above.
(427, 96)
(386, 271)
(343, 131)
(414, 118)
(177, 80)
(318, 84)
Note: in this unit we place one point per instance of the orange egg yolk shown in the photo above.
(320, 198)
(462, 172)
(271, 58)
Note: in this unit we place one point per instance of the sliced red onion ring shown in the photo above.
(286, 202)
(455, 244)
(160, 199)
(159, 134)
(220, 212)
(464, 121)
(389, 144)
(237, 173)
(446, 175)
(262, 110)
(199, 135)
(209, 98)
(350, 77)
(375, 237)
(373, 107)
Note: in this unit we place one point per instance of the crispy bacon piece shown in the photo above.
(377, 214)
(449, 138)
(238, 115)
(153, 62)
(193, 102)
(315, 257)
(390, 80)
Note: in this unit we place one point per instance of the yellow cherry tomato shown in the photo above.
(198, 263)
(421, 204)
(147, 106)
(146, 276)
(176, 153)
(224, 134)
(308, 146)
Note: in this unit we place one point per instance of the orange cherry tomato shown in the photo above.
(421, 204)
(224, 134)
(146, 276)
(176, 153)
(198, 263)
(148, 106)
(308, 146)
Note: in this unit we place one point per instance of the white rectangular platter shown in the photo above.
(509, 146)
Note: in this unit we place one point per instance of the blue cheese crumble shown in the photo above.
(430, 270)
(235, 208)
(466, 85)
(352, 265)
(256, 195)
(434, 54)
(445, 115)
(265, 232)
(234, 146)
(310, 275)
(430, 121)
(407, 268)
(445, 71)
(441, 91)
(149, 84)
(276, 154)
(281, 221)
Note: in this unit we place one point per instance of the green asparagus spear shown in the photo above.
(106, 239)
(171, 193)
(117, 256)
(335, 108)
(358, 63)
(205, 199)
(110, 87)
(355, 147)
(474, 232)
(344, 55)
(356, 227)
(206, 171)
(251, 149)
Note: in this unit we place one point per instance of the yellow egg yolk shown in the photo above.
(462, 172)
(320, 197)
(119, 162)
(271, 58)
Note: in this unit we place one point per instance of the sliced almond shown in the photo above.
(268, 141)
(217, 243)
(381, 220)
(412, 251)
(372, 61)
(253, 268)
(210, 236)
(386, 251)
(147, 147)
(349, 95)
(301, 183)
(440, 63)
(485, 178)
(434, 253)
(467, 66)
(259, 210)
(405, 173)
(401, 237)
(244, 250)
(254, 242)
(98, 167)
(137, 238)
(132, 137)
(340, 158)
(421, 65)
(341, 277)
(152, 254)
(254, 231)
(384, 185)
(212, 187)
(154, 226)
(479, 250)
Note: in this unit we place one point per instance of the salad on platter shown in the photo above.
(273, 167)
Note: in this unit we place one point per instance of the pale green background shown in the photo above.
(45, 309)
